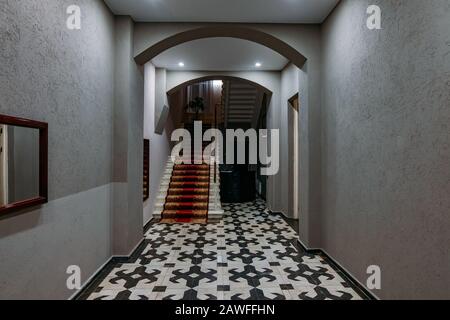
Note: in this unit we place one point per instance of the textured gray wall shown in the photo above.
(136, 155)
(65, 78)
(52, 74)
(289, 87)
(386, 169)
(128, 143)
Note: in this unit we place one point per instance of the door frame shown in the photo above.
(294, 153)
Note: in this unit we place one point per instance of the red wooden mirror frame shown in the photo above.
(43, 164)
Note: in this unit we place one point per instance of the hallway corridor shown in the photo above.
(249, 255)
(335, 112)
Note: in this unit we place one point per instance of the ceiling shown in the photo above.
(220, 54)
(244, 11)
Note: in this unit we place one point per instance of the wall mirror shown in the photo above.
(23, 163)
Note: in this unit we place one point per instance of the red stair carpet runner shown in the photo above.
(187, 199)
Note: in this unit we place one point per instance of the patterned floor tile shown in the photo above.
(251, 254)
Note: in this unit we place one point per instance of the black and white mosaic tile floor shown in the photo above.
(251, 254)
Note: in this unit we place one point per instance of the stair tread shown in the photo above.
(188, 194)
(192, 183)
(193, 198)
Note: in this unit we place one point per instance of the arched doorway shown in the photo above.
(255, 94)
(223, 30)
(240, 32)
(217, 77)
(243, 105)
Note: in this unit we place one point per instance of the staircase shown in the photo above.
(188, 194)
(242, 103)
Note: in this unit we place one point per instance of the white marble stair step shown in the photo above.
(215, 214)
(159, 206)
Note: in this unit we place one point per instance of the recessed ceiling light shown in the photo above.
(258, 64)
(181, 64)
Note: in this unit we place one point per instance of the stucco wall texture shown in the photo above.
(65, 78)
(386, 145)
(127, 142)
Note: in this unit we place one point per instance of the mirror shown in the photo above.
(19, 164)
(23, 163)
